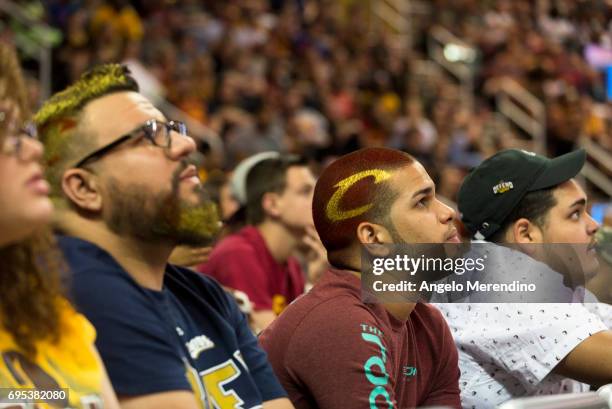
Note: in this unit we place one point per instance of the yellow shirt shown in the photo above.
(71, 363)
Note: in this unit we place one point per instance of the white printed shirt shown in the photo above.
(508, 350)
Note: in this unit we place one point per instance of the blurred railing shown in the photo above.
(524, 110)
(598, 168)
(457, 57)
(398, 16)
(515, 104)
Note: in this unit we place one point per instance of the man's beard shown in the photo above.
(395, 235)
(162, 218)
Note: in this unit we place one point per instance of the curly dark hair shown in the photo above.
(31, 270)
(31, 288)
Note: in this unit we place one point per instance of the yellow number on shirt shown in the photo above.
(215, 379)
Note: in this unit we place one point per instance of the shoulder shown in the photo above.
(233, 245)
(103, 284)
(93, 269)
(430, 313)
(336, 295)
(293, 265)
(83, 255)
(433, 328)
(310, 317)
(195, 288)
(189, 277)
(344, 309)
(74, 325)
(336, 333)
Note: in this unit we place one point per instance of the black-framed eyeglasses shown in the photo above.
(156, 132)
(14, 141)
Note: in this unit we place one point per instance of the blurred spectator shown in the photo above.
(258, 259)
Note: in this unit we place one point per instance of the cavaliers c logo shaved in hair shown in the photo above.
(333, 212)
(352, 187)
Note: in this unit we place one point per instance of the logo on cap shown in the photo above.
(502, 187)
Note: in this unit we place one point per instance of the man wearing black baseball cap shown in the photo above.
(497, 187)
(521, 198)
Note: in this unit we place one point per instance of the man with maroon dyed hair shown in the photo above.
(330, 349)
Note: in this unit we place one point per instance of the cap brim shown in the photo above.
(239, 177)
(560, 170)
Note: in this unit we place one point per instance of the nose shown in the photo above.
(446, 214)
(31, 150)
(592, 226)
(181, 146)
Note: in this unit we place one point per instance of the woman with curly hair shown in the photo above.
(46, 347)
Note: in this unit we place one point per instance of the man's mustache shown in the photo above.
(202, 191)
(176, 176)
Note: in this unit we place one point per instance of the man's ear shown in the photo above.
(82, 189)
(270, 205)
(374, 237)
(525, 233)
(371, 233)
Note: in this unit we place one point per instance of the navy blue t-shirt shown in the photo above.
(189, 336)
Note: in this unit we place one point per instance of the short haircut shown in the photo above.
(59, 119)
(353, 189)
(534, 206)
(268, 176)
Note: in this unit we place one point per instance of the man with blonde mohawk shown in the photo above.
(332, 350)
(126, 196)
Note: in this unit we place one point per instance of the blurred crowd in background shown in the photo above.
(322, 78)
